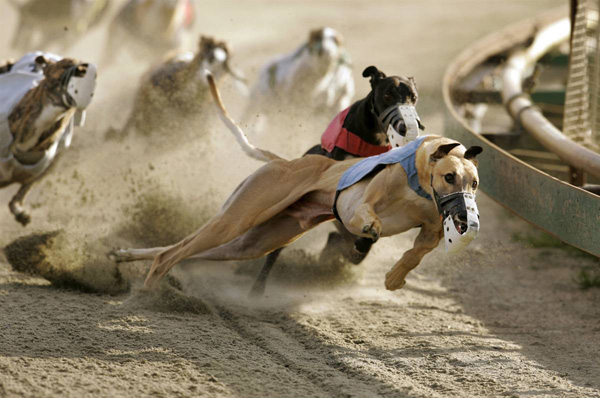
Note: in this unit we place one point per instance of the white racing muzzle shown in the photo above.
(460, 219)
(401, 124)
(79, 89)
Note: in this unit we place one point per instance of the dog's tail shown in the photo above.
(251, 150)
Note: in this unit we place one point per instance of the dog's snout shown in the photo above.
(81, 70)
(461, 221)
(401, 128)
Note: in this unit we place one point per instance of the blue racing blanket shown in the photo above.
(404, 155)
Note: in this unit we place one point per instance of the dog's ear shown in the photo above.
(374, 73)
(206, 43)
(41, 60)
(413, 82)
(315, 35)
(442, 151)
(472, 152)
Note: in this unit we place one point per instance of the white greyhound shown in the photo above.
(314, 78)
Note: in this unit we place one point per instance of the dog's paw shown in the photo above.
(117, 255)
(23, 218)
(393, 283)
(257, 291)
(373, 229)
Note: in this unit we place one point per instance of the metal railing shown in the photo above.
(522, 109)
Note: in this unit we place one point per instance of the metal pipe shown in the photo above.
(522, 109)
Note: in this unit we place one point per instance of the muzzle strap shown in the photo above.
(68, 101)
(390, 116)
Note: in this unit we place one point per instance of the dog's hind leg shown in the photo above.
(361, 248)
(353, 248)
(265, 194)
(254, 243)
(258, 289)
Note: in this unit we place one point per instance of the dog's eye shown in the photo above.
(474, 184)
(449, 178)
(387, 97)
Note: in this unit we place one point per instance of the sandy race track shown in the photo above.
(500, 319)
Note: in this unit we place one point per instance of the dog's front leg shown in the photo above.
(16, 204)
(364, 218)
(367, 221)
(426, 241)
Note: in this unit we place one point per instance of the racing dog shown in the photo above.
(41, 96)
(316, 77)
(174, 91)
(384, 195)
(148, 28)
(361, 130)
(42, 22)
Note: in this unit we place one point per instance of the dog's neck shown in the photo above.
(311, 70)
(362, 121)
(424, 167)
(38, 120)
(195, 70)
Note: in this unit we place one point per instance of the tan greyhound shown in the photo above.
(283, 199)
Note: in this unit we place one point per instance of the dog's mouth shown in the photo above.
(401, 127)
(460, 223)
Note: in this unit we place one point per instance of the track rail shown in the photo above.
(563, 210)
(520, 106)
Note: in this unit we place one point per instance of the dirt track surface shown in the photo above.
(501, 319)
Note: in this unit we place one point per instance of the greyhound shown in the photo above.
(176, 90)
(316, 78)
(360, 131)
(384, 195)
(42, 97)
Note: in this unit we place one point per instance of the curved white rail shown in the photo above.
(522, 109)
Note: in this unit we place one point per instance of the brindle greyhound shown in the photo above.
(176, 90)
(283, 199)
(39, 127)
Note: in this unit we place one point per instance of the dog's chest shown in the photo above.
(407, 213)
(46, 119)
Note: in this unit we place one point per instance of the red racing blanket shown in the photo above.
(336, 135)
